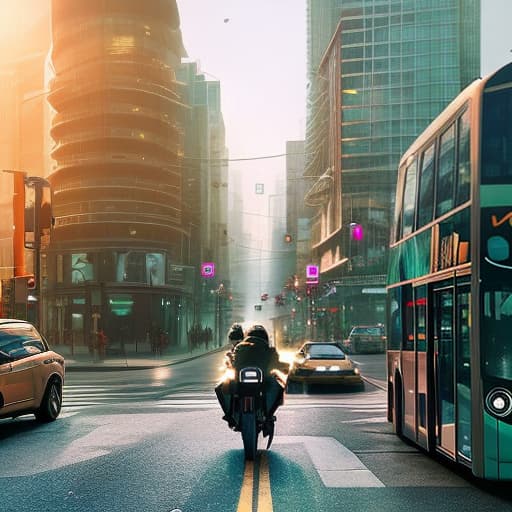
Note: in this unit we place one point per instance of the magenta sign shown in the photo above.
(208, 269)
(312, 274)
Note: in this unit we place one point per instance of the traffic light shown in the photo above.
(31, 282)
(356, 231)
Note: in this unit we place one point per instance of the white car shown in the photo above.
(31, 374)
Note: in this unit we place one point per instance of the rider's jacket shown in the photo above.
(253, 351)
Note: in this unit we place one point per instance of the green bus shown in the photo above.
(449, 288)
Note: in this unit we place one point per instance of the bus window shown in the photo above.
(408, 342)
(446, 172)
(394, 319)
(495, 333)
(464, 162)
(397, 233)
(421, 318)
(496, 163)
(409, 199)
(426, 189)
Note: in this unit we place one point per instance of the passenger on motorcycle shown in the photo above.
(235, 336)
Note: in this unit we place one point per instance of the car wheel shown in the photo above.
(51, 403)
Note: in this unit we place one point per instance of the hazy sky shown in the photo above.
(496, 39)
(257, 49)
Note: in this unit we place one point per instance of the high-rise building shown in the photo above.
(119, 244)
(205, 192)
(383, 73)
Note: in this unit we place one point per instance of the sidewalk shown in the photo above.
(130, 361)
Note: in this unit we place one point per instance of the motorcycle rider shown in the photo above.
(254, 350)
(235, 336)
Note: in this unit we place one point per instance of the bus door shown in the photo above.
(444, 374)
(463, 366)
(420, 305)
(409, 367)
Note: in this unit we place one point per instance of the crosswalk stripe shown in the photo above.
(200, 398)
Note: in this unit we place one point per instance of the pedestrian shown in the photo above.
(101, 341)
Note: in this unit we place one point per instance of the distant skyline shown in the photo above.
(257, 50)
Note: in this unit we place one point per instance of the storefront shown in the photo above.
(135, 297)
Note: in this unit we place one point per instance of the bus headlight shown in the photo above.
(499, 402)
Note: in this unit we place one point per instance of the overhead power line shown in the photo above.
(265, 157)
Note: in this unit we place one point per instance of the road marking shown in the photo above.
(336, 464)
(256, 494)
(245, 502)
(264, 492)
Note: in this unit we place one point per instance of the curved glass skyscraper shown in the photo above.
(116, 249)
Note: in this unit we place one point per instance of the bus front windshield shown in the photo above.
(496, 162)
(496, 333)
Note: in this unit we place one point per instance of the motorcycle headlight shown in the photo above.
(499, 402)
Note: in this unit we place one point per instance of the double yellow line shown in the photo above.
(255, 495)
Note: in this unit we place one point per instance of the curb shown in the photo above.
(91, 367)
(380, 384)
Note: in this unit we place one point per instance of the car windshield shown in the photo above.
(17, 339)
(373, 331)
(322, 351)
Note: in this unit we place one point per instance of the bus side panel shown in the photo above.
(490, 447)
(505, 450)
(497, 449)
(409, 393)
(422, 418)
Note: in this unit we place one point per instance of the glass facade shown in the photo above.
(117, 173)
(401, 63)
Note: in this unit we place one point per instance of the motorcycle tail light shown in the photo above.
(251, 376)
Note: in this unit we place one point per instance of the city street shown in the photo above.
(153, 440)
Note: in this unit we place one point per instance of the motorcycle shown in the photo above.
(249, 400)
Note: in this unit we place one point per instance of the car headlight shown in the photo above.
(499, 402)
(335, 368)
(321, 368)
(356, 371)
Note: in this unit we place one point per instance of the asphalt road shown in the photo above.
(153, 440)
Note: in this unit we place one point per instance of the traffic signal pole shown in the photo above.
(18, 211)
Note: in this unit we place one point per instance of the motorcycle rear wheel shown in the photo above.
(249, 435)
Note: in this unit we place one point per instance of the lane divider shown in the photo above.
(245, 502)
(264, 493)
(256, 495)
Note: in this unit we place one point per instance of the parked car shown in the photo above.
(366, 339)
(31, 374)
(319, 362)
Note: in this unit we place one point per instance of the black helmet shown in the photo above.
(236, 333)
(258, 331)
